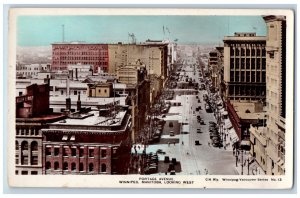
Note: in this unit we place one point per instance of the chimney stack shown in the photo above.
(76, 73)
(78, 103)
(68, 104)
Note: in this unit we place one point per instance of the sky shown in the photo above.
(44, 30)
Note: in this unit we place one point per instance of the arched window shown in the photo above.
(81, 167)
(34, 146)
(56, 165)
(91, 167)
(24, 153)
(103, 167)
(48, 165)
(17, 145)
(24, 145)
(170, 124)
(73, 166)
(65, 166)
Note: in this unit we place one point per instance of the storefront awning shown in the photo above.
(228, 124)
(233, 135)
(245, 143)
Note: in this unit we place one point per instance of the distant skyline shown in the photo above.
(44, 30)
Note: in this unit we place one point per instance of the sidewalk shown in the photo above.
(242, 166)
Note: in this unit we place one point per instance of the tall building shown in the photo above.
(64, 54)
(32, 115)
(276, 94)
(245, 67)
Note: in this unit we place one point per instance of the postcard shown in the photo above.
(150, 98)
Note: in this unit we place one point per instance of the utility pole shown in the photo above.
(63, 33)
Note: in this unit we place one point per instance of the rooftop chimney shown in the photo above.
(78, 103)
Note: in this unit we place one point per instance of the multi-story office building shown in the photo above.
(88, 142)
(64, 54)
(245, 67)
(276, 94)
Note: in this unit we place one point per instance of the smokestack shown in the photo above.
(68, 87)
(76, 73)
(78, 103)
(68, 104)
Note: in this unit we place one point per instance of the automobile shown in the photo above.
(172, 172)
(199, 131)
(211, 135)
(150, 170)
(202, 122)
(197, 143)
(171, 133)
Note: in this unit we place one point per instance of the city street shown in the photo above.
(194, 159)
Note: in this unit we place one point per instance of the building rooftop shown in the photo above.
(46, 118)
(92, 118)
(249, 110)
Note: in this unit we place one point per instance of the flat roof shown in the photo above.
(93, 118)
(255, 112)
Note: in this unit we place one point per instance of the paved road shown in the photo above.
(197, 159)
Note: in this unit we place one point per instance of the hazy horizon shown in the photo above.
(206, 30)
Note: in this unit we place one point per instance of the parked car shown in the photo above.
(150, 170)
(171, 133)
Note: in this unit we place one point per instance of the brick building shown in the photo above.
(64, 54)
(32, 115)
(90, 142)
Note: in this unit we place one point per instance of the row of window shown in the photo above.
(103, 167)
(23, 172)
(27, 131)
(241, 90)
(72, 58)
(73, 152)
(75, 92)
(84, 63)
(248, 63)
(25, 152)
(247, 52)
(103, 53)
(248, 76)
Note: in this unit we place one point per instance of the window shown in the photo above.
(171, 124)
(56, 151)
(81, 167)
(17, 145)
(99, 90)
(103, 167)
(48, 150)
(73, 166)
(105, 90)
(24, 172)
(65, 152)
(103, 153)
(75, 92)
(65, 167)
(48, 165)
(61, 92)
(91, 167)
(81, 152)
(34, 160)
(56, 165)
(73, 152)
(20, 93)
(34, 146)
(34, 172)
(91, 152)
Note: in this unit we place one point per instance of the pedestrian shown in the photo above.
(168, 143)
(182, 143)
(174, 143)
